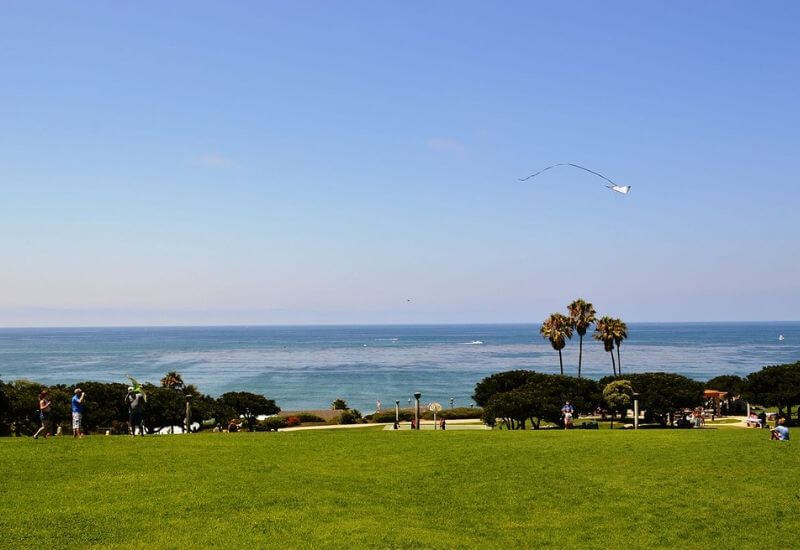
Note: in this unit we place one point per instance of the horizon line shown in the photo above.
(299, 325)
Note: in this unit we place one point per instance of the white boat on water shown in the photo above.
(780, 338)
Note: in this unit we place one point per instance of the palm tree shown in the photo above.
(620, 331)
(581, 315)
(173, 381)
(558, 329)
(603, 332)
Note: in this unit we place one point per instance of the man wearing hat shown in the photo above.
(77, 412)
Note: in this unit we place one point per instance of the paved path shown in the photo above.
(460, 424)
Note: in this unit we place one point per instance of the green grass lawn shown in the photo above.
(729, 488)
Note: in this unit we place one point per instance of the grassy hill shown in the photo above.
(725, 488)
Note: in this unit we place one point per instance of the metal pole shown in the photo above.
(635, 411)
(397, 410)
(417, 395)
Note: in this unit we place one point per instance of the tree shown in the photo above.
(603, 331)
(173, 381)
(541, 398)
(618, 396)
(339, 405)
(513, 407)
(5, 409)
(662, 393)
(558, 329)
(775, 386)
(500, 382)
(249, 405)
(619, 330)
(729, 383)
(581, 315)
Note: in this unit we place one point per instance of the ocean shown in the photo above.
(306, 367)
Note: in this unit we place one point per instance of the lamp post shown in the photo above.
(417, 395)
(397, 410)
(452, 399)
(635, 411)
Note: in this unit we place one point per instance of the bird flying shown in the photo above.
(623, 189)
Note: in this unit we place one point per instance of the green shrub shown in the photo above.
(388, 416)
(271, 424)
(350, 416)
(308, 417)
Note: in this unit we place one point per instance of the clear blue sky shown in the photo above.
(285, 162)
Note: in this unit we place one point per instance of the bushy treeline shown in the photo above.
(105, 406)
(521, 396)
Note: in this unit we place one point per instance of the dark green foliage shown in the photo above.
(339, 405)
(105, 406)
(541, 398)
(388, 416)
(730, 383)
(248, 405)
(775, 386)
(5, 409)
(271, 424)
(308, 417)
(350, 416)
(104, 403)
(500, 382)
(23, 406)
(662, 393)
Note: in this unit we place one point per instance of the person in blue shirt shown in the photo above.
(780, 432)
(77, 412)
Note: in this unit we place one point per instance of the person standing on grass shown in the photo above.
(135, 403)
(77, 412)
(567, 411)
(44, 414)
(780, 432)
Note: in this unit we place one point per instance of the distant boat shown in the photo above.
(780, 338)
(474, 343)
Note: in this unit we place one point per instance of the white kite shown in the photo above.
(623, 189)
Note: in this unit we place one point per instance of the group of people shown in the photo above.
(44, 414)
(779, 433)
(135, 401)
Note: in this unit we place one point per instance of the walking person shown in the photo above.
(135, 403)
(44, 414)
(567, 411)
(77, 413)
(443, 424)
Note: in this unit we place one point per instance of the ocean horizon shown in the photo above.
(308, 366)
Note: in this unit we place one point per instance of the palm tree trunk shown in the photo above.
(561, 362)
(580, 355)
(619, 362)
(613, 364)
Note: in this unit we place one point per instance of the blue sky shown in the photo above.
(321, 162)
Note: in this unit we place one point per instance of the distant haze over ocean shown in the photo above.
(306, 367)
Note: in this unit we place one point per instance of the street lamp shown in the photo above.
(417, 395)
(451, 402)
